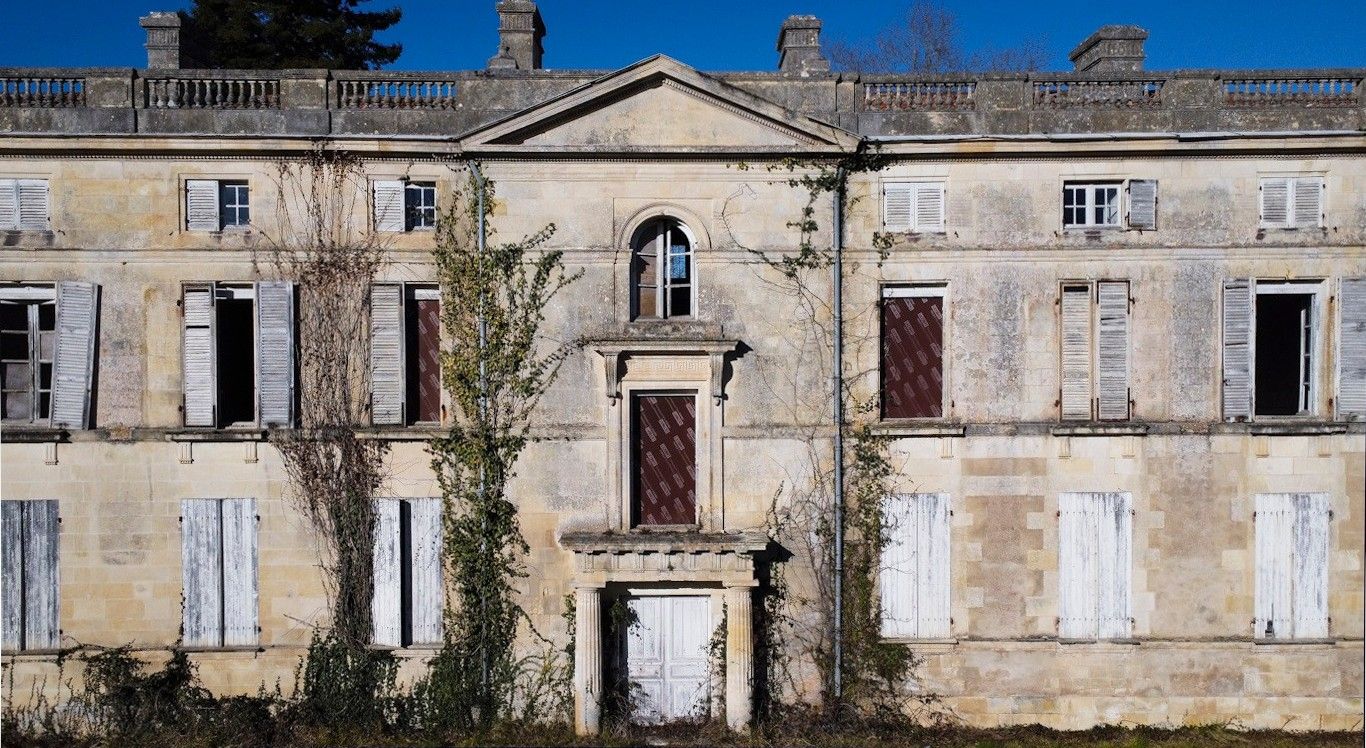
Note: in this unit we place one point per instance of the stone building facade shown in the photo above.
(1112, 323)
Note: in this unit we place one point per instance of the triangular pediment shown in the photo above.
(658, 105)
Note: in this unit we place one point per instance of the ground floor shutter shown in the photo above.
(932, 597)
(41, 619)
(1237, 358)
(1077, 573)
(1272, 598)
(12, 572)
(240, 603)
(1112, 351)
(1076, 353)
(1311, 537)
(427, 590)
(275, 354)
(74, 363)
(900, 561)
(1114, 520)
(1352, 349)
(197, 359)
(202, 570)
(386, 609)
(386, 354)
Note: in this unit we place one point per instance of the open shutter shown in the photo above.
(1275, 202)
(1112, 357)
(897, 579)
(388, 198)
(77, 310)
(428, 593)
(932, 595)
(239, 572)
(1143, 203)
(12, 572)
(897, 200)
(1076, 353)
(198, 355)
(1237, 349)
(1272, 594)
(929, 207)
(202, 566)
(1311, 565)
(1077, 573)
(386, 610)
(1351, 402)
(201, 205)
(33, 213)
(1307, 202)
(9, 204)
(1114, 518)
(275, 357)
(386, 354)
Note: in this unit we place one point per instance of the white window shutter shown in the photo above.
(1351, 401)
(929, 207)
(1143, 204)
(897, 201)
(1112, 356)
(1077, 573)
(388, 200)
(1272, 593)
(33, 212)
(387, 376)
(386, 608)
(9, 204)
(201, 532)
(1307, 202)
(932, 595)
(201, 205)
(1311, 565)
(1237, 357)
(1275, 202)
(197, 359)
(12, 574)
(428, 594)
(239, 573)
(1114, 517)
(1076, 353)
(74, 364)
(275, 354)
(897, 578)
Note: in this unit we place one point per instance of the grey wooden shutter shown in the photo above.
(33, 209)
(197, 360)
(240, 573)
(1076, 352)
(9, 204)
(1237, 358)
(387, 376)
(41, 598)
(388, 198)
(929, 207)
(201, 205)
(428, 592)
(1311, 565)
(201, 533)
(1112, 351)
(1114, 518)
(275, 354)
(12, 572)
(1077, 573)
(1351, 402)
(74, 364)
(386, 610)
(1272, 598)
(932, 594)
(1143, 203)
(1307, 202)
(897, 577)
(897, 200)
(1275, 202)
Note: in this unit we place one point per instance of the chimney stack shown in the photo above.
(799, 46)
(1112, 49)
(163, 39)
(520, 31)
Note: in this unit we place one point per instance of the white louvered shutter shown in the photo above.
(201, 205)
(1351, 402)
(1272, 597)
(1311, 565)
(1076, 353)
(12, 573)
(201, 533)
(929, 207)
(387, 378)
(897, 204)
(197, 359)
(1237, 356)
(386, 609)
(9, 204)
(932, 594)
(897, 579)
(1077, 573)
(275, 355)
(1114, 517)
(1307, 202)
(388, 199)
(428, 592)
(74, 364)
(1143, 204)
(1112, 351)
(33, 212)
(1275, 202)
(239, 573)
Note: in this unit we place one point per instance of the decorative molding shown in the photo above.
(706, 98)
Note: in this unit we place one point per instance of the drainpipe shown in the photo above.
(837, 384)
(483, 410)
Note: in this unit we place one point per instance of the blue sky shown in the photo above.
(740, 34)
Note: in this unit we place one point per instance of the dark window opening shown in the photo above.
(662, 272)
(422, 350)
(664, 460)
(236, 370)
(405, 572)
(1284, 347)
(28, 343)
(419, 206)
(913, 357)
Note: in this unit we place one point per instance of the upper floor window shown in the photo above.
(663, 458)
(913, 351)
(1094, 353)
(1110, 204)
(1291, 202)
(217, 204)
(238, 354)
(662, 271)
(1273, 346)
(47, 352)
(913, 206)
(405, 361)
(23, 204)
(400, 205)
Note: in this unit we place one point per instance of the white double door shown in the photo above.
(666, 657)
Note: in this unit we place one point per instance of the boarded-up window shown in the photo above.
(1094, 565)
(29, 531)
(408, 594)
(405, 351)
(1291, 596)
(914, 579)
(423, 354)
(664, 459)
(219, 571)
(1094, 369)
(913, 352)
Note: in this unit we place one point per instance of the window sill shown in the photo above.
(1092, 428)
(1290, 426)
(32, 434)
(1295, 642)
(239, 649)
(219, 435)
(33, 655)
(913, 642)
(414, 433)
(918, 429)
(1128, 642)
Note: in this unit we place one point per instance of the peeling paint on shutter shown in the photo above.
(932, 595)
(428, 593)
(1077, 573)
(33, 212)
(386, 610)
(198, 355)
(1308, 202)
(9, 204)
(388, 202)
(77, 310)
(1275, 202)
(41, 600)
(239, 573)
(897, 578)
(1143, 204)
(1311, 565)
(1112, 357)
(1114, 518)
(386, 354)
(275, 355)
(1237, 358)
(1351, 401)
(929, 207)
(202, 569)
(1272, 594)
(12, 572)
(1076, 352)
(897, 200)
(201, 205)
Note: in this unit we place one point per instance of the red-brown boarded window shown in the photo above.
(424, 348)
(913, 357)
(664, 460)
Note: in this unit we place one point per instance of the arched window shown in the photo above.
(662, 271)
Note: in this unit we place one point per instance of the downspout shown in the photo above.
(837, 384)
(483, 407)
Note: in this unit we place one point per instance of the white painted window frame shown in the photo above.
(663, 284)
(1091, 187)
(1316, 287)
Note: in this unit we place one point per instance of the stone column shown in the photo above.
(587, 660)
(739, 657)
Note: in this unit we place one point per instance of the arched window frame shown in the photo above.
(652, 239)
